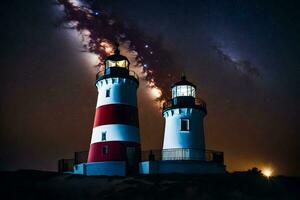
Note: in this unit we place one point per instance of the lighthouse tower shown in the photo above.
(183, 146)
(184, 133)
(115, 143)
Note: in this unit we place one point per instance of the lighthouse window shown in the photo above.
(105, 150)
(122, 63)
(110, 63)
(185, 125)
(107, 93)
(183, 90)
(103, 136)
(193, 91)
(174, 92)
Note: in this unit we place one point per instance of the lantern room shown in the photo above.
(183, 88)
(184, 96)
(116, 63)
(117, 66)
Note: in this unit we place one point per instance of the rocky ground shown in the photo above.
(29, 184)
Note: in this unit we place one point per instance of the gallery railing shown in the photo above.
(131, 73)
(65, 165)
(183, 154)
(171, 103)
(80, 157)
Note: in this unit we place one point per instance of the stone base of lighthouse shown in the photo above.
(108, 168)
(181, 166)
(118, 168)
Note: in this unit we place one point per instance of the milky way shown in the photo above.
(244, 67)
(104, 30)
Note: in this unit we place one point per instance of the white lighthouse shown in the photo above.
(184, 133)
(183, 148)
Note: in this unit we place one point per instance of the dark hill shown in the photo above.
(29, 184)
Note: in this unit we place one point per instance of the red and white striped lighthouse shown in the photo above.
(115, 139)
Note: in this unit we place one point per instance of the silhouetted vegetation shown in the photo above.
(28, 184)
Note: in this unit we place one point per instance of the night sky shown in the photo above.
(242, 55)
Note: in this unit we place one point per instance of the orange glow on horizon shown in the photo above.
(267, 172)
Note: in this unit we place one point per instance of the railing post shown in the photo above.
(151, 156)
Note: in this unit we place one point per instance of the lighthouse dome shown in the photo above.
(183, 88)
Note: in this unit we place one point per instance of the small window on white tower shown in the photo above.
(103, 138)
(185, 124)
(107, 93)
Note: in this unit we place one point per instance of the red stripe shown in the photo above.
(116, 151)
(116, 114)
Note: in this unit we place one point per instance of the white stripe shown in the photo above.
(116, 132)
(122, 91)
